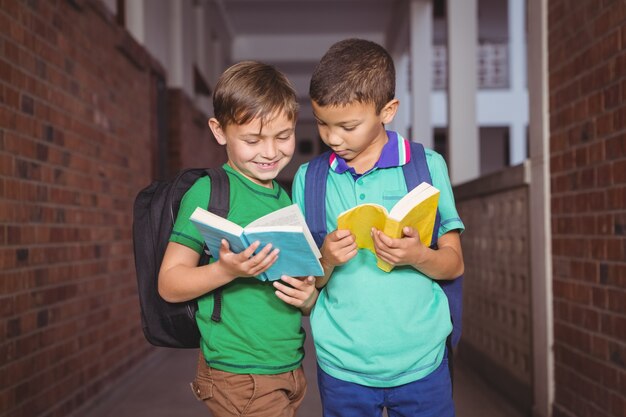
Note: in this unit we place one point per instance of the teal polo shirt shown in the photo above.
(371, 327)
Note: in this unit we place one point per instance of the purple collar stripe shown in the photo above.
(395, 153)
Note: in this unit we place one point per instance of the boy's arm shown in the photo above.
(338, 248)
(444, 263)
(181, 279)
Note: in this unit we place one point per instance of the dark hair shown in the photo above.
(354, 70)
(251, 89)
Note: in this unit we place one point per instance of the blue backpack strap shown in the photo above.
(416, 171)
(315, 196)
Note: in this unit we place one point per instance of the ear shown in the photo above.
(217, 130)
(389, 111)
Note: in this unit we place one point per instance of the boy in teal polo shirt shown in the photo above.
(250, 362)
(380, 337)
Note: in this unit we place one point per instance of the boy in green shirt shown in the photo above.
(250, 362)
(380, 337)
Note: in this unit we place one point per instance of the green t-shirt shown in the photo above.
(259, 333)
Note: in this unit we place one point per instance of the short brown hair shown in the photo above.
(249, 90)
(354, 70)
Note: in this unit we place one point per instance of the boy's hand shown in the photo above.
(300, 292)
(338, 248)
(407, 250)
(244, 264)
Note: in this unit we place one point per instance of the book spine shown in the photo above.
(246, 242)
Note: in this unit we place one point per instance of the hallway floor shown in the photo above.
(159, 387)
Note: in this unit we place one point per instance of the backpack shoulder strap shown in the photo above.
(415, 172)
(315, 196)
(219, 203)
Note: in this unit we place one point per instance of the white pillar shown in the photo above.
(134, 15)
(421, 41)
(463, 144)
(517, 71)
(539, 199)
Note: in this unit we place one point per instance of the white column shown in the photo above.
(463, 144)
(539, 198)
(517, 71)
(421, 41)
(134, 14)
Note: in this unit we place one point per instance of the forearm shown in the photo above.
(321, 281)
(182, 283)
(442, 264)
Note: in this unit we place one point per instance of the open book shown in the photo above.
(416, 209)
(285, 229)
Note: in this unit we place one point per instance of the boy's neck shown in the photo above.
(368, 158)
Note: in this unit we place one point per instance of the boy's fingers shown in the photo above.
(258, 258)
(262, 263)
(224, 245)
(381, 237)
(299, 282)
(298, 286)
(410, 232)
(287, 299)
(341, 233)
(291, 292)
(250, 249)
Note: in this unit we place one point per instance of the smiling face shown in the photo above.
(354, 131)
(258, 150)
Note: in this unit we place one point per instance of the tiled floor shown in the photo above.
(160, 388)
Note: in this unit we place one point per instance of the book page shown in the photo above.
(411, 199)
(214, 228)
(422, 218)
(203, 216)
(360, 220)
(287, 216)
(296, 257)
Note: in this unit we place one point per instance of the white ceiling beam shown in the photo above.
(280, 48)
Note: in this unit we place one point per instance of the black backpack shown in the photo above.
(156, 206)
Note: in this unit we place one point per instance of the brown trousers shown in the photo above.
(250, 395)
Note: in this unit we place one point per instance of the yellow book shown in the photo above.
(416, 209)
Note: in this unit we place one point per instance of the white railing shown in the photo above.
(492, 63)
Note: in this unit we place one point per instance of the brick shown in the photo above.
(619, 171)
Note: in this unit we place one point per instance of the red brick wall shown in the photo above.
(191, 141)
(75, 129)
(587, 73)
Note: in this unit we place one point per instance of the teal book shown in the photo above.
(285, 229)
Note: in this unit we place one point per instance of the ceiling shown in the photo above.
(306, 17)
(294, 34)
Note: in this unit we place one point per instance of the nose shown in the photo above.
(332, 139)
(270, 150)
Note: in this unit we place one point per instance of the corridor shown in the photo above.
(159, 387)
